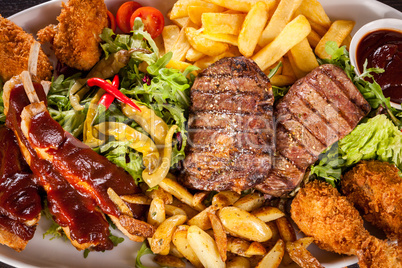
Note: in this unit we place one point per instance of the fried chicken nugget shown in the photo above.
(375, 188)
(321, 212)
(75, 40)
(15, 45)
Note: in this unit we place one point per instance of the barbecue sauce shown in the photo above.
(69, 208)
(19, 195)
(383, 49)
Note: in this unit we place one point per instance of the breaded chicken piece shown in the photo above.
(321, 212)
(15, 45)
(75, 40)
(375, 188)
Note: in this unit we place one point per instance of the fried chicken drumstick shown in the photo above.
(321, 212)
(375, 188)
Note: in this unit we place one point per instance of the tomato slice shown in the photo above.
(152, 18)
(111, 21)
(124, 13)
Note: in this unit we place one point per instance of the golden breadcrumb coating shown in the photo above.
(75, 40)
(15, 45)
(375, 188)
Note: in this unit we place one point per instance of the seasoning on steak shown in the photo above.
(230, 127)
(318, 110)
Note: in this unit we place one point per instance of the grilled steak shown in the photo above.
(318, 110)
(230, 127)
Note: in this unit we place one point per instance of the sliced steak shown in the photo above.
(318, 110)
(230, 127)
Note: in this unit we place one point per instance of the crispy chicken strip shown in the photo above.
(321, 212)
(77, 214)
(375, 188)
(15, 45)
(75, 40)
(20, 202)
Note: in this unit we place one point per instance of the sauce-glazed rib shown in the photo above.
(318, 110)
(20, 202)
(77, 214)
(230, 127)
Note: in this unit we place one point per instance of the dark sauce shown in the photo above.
(69, 207)
(383, 49)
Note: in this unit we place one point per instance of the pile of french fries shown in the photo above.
(293, 32)
(231, 231)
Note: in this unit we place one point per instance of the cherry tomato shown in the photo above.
(124, 13)
(111, 21)
(152, 18)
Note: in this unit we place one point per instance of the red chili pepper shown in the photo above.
(112, 90)
(108, 98)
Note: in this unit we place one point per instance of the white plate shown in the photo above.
(58, 253)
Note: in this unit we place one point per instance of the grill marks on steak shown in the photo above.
(230, 127)
(318, 110)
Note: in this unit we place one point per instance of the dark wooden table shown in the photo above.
(9, 8)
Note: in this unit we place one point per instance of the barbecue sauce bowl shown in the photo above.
(380, 42)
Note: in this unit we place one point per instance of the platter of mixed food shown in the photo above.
(200, 133)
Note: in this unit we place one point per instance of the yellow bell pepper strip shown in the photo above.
(149, 121)
(88, 134)
(154, 178)
(137, 140)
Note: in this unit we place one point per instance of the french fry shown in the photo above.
(298, 72)
(179, 65)
(199, 198)
(303, 56)
(204, 45)
(170, 35)
(193, 55)
(190, 212)
(241, 5)
(195, 12)
(274, 257)
(338, 31)
(180, 8)
(119, 202)
(202, 220)
(250, 202)
(279, 20)
(294, 32)
(156, 213)
(287, 68)
(252, 28)
(163, 234)
(181, 45)
(346, 41)
(181, 22)
(183, 246)
(241, 223)
(267, 214)
(219, 235)
(318, 28)
(300, 255)
(169, 261)
(238, 262)
(281, 80)
(204, 247)
(220, 37)
(174, 251)
(314, 11)
(313, 38)
(170, 185)
(206, 61)
(222, 23)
